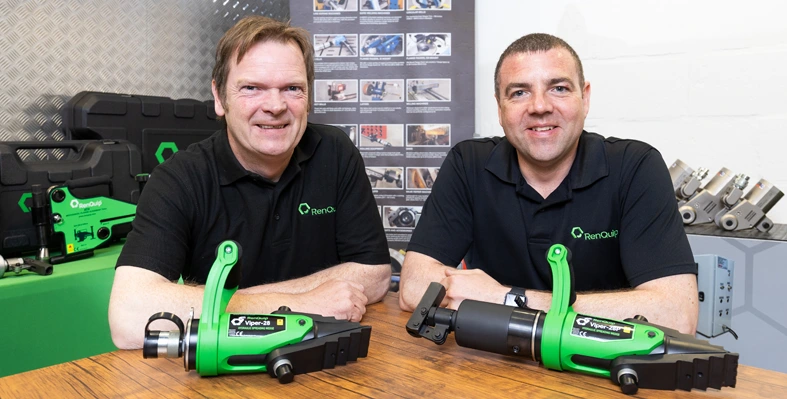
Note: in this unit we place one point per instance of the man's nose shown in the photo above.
(539, 103)
(273, 102)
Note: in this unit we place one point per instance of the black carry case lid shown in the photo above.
(146, 121)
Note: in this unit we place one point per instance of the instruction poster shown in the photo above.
(398, 77)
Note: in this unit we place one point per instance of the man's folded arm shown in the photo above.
(375, 279)
(138, 293)
(668, 301)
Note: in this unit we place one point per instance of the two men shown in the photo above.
(500, 203)
(293, 194)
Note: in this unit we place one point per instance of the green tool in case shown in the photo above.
(85, 224)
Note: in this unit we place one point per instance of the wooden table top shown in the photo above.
(397, 366)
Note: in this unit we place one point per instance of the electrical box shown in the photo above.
(714, 282)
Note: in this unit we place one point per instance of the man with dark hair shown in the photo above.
(501, 202)
(294, 195)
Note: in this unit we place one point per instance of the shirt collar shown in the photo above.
(502, 162)
(589, 165)
(230, 169)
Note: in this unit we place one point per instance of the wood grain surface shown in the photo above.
(398, 366)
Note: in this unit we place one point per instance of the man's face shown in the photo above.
(541, 107)
(266, 105)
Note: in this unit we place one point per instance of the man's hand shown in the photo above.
(471, 284)
(342, 299)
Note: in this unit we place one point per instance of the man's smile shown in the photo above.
(271, 126)
(543, 128)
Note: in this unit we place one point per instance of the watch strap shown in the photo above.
(513, 294)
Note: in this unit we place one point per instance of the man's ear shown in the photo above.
(217, 105)
(499, 111)
(586, 97)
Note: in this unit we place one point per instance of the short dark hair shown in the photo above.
(533, 43)
(258, 29)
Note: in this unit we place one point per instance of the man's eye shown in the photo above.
(248, 88)
(294, 88)
(561, 89)
(518, 93)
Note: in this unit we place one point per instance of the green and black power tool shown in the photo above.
(83, 223)
(632, 353)
(282, 344)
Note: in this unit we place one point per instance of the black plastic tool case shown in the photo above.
(154, 124)
(118, 159)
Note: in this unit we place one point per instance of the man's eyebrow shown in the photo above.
(555, 81)
(246, 82)
(263, 83)
(515, 85)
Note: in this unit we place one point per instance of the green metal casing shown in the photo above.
(216, 344)
(80, 219)
(45, 317)
(563, 329)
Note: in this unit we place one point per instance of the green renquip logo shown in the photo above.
(22, 200)
(165, 145)
(577, 232)
(82, 205)
(305, 209)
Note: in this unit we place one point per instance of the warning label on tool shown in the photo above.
(250, 325)
(601, 329)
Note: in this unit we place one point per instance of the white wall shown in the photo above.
(703, 81)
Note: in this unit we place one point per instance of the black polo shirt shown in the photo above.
(615, 211)
(320, 213)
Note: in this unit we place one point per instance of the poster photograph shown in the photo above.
(421, 178)
(386, 177)
(382, 90)
(326, 91)
(429, 135)
(336, 45)
(382, 136)
(382, 45)
(335, 5)
(428, 44)
(428, 89)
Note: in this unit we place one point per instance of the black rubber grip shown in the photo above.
(89, 182)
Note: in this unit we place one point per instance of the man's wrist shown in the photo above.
(540, 300)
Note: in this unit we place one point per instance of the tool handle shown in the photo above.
(38, 267)
(89, 182)
(40, 215)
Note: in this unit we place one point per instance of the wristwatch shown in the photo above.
(511, 296)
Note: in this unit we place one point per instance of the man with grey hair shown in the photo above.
(293, 194)
(501, 202)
